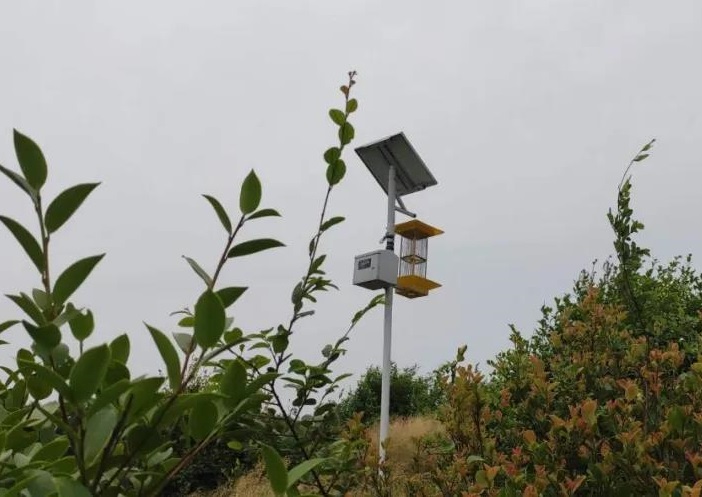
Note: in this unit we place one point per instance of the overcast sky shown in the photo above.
(526, 112)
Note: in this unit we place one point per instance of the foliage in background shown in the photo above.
(81, 424)
(411, 394)
(603, 400)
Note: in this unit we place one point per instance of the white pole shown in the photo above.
(387, 331)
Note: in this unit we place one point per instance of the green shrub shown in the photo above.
(411, 394)
(603, 400)
(83, 424)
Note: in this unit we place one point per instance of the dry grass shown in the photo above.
(400, 453)
(402, 445)
(252, 484)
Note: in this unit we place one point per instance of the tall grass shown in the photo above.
(400, 451)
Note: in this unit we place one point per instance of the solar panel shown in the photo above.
(411, 174)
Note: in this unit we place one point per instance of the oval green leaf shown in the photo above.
(98, 431)
(346, 133)
(31, 160)
(209, 319)
(264, 213)
(120, 348)
(69, 281)
(48, 336)
(337, 116)
(169, 355)
(185, 342)
(29, 307)
(253, 246)
(302, 469)
(203, 419)
(331, 222)
(66, 487)
(275, 469)
(53, 450)
(66, 204)
(26, 240)
(250, 195)
(233, 381)
(82, 325)
(8, 324)
(50, 377)
(198, 270)
(332, 155)
(20, 181)
(230, 294)
(351, 105)
(88, 372)
(221, 213)
(336, 172)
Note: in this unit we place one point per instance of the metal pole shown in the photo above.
(387, 331)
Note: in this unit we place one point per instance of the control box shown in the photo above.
(376, 270)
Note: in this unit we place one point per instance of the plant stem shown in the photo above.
(223, 258)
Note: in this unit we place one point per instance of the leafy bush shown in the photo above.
(603, 400)
(82, 425)
(410, 394)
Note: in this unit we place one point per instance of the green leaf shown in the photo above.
(337, 116)
(351, 105)
(346, 133)
(264, 213)
(187, 322)
(120, 348)
(42, 485)
(170, 356)
(8, 324)
(185, 342)
(275, 469)
(29, 307)
(250, 195)
(235, 445)
(109, 395)
(47, 336)
(67, 487)
(233, 381)
(253, 246)
(332, 155)
(203, 419)
(41, 298)
(144, 394)
(82, 325)
(209, 319)
(481, 478)
(98, 431)
(50, 377)
(331, 222)
(199, 271)
(640, 157)
(21, 182)
(336, 172)
(302, 469)
(676, 418)
(221, 213)
(230, 294)
(327, 350)
(69, 281)
(31, 160)
(38, 389)
(26, 240)
(88, 372)
(66, 204)
(52, 451)
(68, 313)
